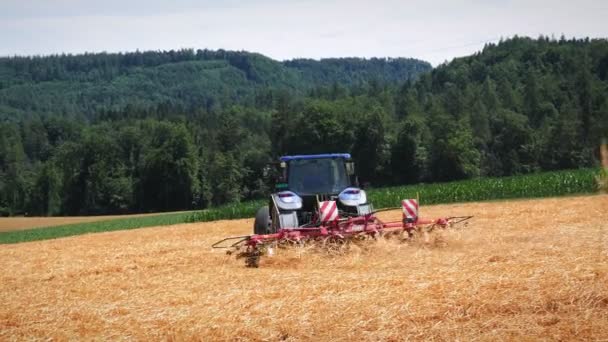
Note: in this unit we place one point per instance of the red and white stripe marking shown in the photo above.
(410, 208)
(328, 211)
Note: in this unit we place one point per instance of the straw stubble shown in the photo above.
(534, 269)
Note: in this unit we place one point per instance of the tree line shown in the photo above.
(520, 106)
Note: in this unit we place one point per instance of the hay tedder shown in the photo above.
(318, 200)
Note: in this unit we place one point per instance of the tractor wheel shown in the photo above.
(262, 221)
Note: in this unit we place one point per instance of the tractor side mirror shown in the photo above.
(350, 168)
(282, 172)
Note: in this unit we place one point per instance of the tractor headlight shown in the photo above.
(352, 197)
(287, 200)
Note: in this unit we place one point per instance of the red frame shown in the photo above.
(344, 228)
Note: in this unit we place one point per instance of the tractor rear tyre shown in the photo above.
(262, 221)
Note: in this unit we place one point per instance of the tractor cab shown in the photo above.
(303, 182)
(317, 174)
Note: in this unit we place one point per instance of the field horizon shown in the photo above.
(546, 184)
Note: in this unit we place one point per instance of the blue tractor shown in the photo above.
(304, 181)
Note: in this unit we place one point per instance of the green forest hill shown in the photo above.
(84, 85)
(158, 131)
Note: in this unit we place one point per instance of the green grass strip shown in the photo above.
(45, 233)
(548, 184)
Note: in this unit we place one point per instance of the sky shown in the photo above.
(431, 30)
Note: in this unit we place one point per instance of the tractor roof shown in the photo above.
(316, 156)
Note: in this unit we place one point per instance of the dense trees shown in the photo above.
(83, 85)
(149, 131)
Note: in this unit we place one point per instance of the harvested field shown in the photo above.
(521, 270)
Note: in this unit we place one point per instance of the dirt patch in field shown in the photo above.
(8, 224)
(522, 270)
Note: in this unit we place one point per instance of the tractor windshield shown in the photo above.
(317, 176)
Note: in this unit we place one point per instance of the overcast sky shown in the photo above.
(431, 30)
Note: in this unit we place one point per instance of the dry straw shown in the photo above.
(522, 270)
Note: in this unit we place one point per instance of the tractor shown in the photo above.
(303, 181)
(317, 199)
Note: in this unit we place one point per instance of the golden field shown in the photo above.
(521, 270)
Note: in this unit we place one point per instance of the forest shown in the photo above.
(161, 131)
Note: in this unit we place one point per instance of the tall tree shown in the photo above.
(44, 198)
(368, 146)
(168, 169)
(409, 155)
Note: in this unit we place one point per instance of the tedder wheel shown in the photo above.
(262, 221)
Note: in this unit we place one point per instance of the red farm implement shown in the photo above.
(332, 226)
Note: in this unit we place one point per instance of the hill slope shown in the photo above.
(84, 84)
(517, 106)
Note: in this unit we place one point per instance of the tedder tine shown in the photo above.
(222, 243)
(459, 219)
